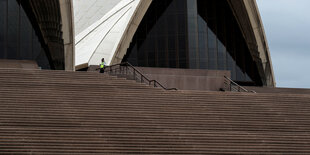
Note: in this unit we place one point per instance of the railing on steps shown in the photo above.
(230, 85)
(129, 70)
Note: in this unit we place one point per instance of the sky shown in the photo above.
(287, 26)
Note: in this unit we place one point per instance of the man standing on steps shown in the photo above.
(102, 65)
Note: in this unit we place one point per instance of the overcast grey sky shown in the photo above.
(287, 26)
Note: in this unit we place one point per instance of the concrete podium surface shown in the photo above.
(19, 64)
(187, 79)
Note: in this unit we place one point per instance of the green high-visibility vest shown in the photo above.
(102, 65)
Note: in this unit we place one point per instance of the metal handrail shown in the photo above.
(136, 74)
(233, 86)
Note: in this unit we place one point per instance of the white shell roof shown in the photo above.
(99, 27)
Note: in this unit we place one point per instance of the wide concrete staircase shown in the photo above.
(57, 112)
(279, 90)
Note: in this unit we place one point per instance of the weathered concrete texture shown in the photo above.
(20, 64)
(55, 20)
(48, 17)
(261, 40)
(66, 8)
(248, 17)
(131, 30)
(187, 79)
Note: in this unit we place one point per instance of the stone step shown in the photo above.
(58, 112)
